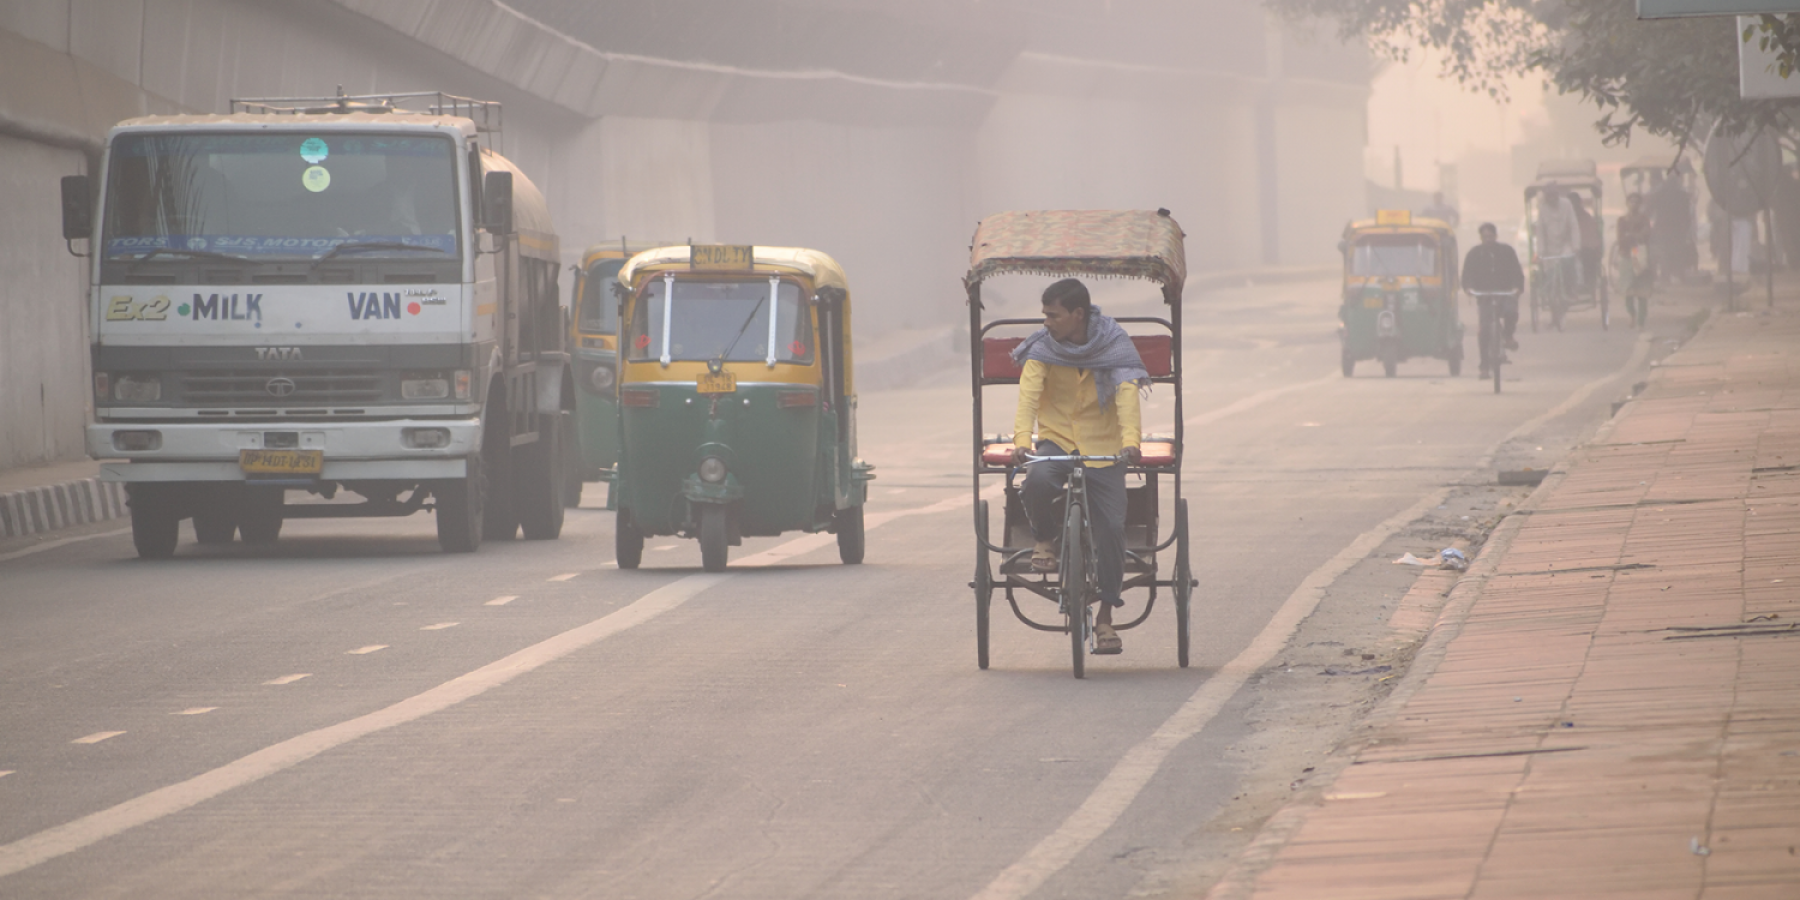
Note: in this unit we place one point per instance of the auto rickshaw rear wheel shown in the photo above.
(848, 523)
(714, 538)
(628, 541)
(1349, 364)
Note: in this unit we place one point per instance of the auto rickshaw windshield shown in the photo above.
(1394, 255)
(599, 310)
(728, 319)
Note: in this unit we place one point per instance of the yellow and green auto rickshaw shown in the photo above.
(595, 337)
(1400, 285)
(737, 406)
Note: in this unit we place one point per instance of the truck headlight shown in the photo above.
(137, 388)
(712, 470)
(415, 387)
(601, 379)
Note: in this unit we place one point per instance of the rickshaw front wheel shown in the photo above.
(628, 542)
(713, 537)
(1072, 569)
(848, 523)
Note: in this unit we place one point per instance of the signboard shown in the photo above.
(721, 257)
(1393, 217)
(1676, 9)
(1758, 79)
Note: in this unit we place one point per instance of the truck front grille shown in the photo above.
(313, 387)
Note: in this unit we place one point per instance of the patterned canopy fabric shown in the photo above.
(1096, 242)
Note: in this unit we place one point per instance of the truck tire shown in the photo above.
(155, 527)
(259, 517)
(499, 513)
(541, 479)
(217, 524)
(459, 508)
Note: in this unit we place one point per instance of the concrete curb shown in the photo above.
(55, 506)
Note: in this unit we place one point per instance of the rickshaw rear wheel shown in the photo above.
(628, 542)
(1605, 307)
(713, 537)
(983, 584)
(848, 523)
(542, 479)
(1073, 572)
(1184, 583)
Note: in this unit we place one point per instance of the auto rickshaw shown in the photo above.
(1136, 244)
(595, 337)
(1400, 300)
(1549, 298)
(737, 404)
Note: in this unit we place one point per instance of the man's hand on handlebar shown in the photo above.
(1130, 456)
(1018, 456)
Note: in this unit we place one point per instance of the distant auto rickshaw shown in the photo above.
(737, 405)
(1552, 293)
(1136, 244)
(595, 326)
(1400, 300)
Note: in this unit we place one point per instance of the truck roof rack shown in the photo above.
(485, 114)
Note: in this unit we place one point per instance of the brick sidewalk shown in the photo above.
(1617, 713)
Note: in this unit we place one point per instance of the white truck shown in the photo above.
(319, 294)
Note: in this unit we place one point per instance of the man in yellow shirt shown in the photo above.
(1078, 392)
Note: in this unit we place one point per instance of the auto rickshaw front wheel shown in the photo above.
(628, 541)
(714, 539)
(848, 523)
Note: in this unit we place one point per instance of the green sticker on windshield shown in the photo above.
(315, 178)
(313, 150)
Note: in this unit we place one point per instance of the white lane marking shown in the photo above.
(61, 542)
(1134, 770)
(6, 772)
(362, 650)
(194, 711)
(563, 577)
(665, 547)
(290, 679)
(1258, 399)
(440, 626)
(501, 601)
(51, 843)
(97, 737)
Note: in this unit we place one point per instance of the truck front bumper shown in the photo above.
(353, 451)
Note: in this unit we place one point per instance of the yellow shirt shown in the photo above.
(1064, 405)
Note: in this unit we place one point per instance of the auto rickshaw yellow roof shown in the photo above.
(618, 249)
(1419, 225)
(819, 268)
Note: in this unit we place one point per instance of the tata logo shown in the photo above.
(277, 353)
(280, 386)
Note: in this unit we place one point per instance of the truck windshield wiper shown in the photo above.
(372, 245)
(197, 254)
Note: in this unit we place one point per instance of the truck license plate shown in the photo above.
(281, 462)
(717, 382)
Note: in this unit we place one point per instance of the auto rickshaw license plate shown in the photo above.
(281, 462)
(1373, 303)
(717, 382)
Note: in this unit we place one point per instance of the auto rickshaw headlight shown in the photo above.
(712, 470)
(601, 379)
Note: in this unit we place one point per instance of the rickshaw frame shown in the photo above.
(1571, 175)
(1137, 244)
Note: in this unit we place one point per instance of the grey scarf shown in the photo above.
(1109, 352)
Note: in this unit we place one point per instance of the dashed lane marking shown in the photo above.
(501, 601)
(563, 577)
(69, 837)
(290, 679)
(440, 626)
(97, 737)
(362, 650)
(194, 711)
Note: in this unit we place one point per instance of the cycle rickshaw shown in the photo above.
(1550, 291)
(1094, 244)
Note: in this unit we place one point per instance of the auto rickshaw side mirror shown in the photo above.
(830, 296)
(1343, 247)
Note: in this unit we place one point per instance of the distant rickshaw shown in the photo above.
(595, 326)
(1400, 292)
(737, 404)
(1552, 293)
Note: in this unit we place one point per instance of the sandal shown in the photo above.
(1043, 561)
(1106, 641)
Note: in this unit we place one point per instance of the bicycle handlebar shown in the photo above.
(1029, 459)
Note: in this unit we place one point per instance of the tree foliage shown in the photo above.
(1673, 77)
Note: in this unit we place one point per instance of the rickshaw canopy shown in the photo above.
(817, 267)
(1575, 174)
(1097, 242)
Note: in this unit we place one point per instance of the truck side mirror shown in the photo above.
(77, 208)
(496, 202)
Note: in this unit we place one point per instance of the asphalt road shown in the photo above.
(350, 713)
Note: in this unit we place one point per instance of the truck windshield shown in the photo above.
(599, 309)
(281, 195)
(1397, 256)
(722, 317)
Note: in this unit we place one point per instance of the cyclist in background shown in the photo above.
(1078, 390)
(1493, 267)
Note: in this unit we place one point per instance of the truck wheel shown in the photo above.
(849, 526)
(572, 465)
(499, 511)
(259, 518)
(628, 542)
(155, 528)
(459, 507)
(713, 537)
(217, 524)
(541, 480)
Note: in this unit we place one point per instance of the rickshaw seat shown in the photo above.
(1156, 350)
(1154, 453)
